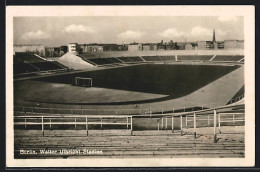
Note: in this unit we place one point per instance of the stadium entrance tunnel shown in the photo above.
(172, 81)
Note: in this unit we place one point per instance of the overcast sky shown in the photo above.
(56, 31)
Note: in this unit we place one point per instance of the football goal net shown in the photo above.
(84, 82)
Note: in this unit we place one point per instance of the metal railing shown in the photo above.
(133, 111)
(212, 117)
(220, 115)
(73, 120)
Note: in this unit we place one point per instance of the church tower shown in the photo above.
(214, 38)
(214, 42)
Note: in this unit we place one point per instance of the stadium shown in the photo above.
(141, 98)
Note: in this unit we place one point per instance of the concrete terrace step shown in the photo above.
(159, 144)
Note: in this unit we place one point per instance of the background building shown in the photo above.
(37, 49)
(74, 48)
(111, 47)
(95, 48)
(134, 47)
(234, 44)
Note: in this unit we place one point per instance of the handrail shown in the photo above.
(199, 116)
(199, 111)
(86, 121)
(115, 111)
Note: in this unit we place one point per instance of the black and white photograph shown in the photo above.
(130, 86)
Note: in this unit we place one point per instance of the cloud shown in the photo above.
(130, 34)
(222, 32)
(171, 32)
(35, 35)
(227, 18)
(201, 31)
(73, 28)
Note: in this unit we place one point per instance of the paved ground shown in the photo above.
(121, 144)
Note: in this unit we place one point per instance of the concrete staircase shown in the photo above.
(121, 144)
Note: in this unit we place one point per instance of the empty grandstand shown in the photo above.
(131, 59)
(24, 68)
(88, 55)
(167, 58)
(28, 63)
(153, 109)
(104, 61)
(194, 57)
(26, 58)
(228, 58)
(151, 58)
(47, 65)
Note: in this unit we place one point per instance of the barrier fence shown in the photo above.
(50, 121)
(230, 115)
(134, 111)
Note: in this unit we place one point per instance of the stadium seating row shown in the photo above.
(26, 57)
(27, 63)
(136, 59)
(228, 58)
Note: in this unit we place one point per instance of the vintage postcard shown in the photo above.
(130, 86)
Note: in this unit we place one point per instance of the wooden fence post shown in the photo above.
(194, 125)
(50, 122)
(208, 120)
(166, 124)
(131, 125)
(181, 125)
(158, 125)
(162, 123)
(127, 123)
(25, 122)
(219, 123)
(233, 120)
(101, 124)
(87, 125)
(186, 121)
(42, 128)
(75, 123)
(172, 123)
(215, 123)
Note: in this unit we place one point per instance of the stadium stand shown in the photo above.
(194, 57)
(167, 58)
(101, 61)
(131, 59)
(228, 58)
(143, 144)
(114, 60)
(88, 55)
(151, 58)
(24, 68)
(26, 57)
(87, 60)
(28, 62)
(47, 65)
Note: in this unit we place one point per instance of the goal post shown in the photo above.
(84, 82)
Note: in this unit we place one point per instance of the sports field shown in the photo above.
(140, 84)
